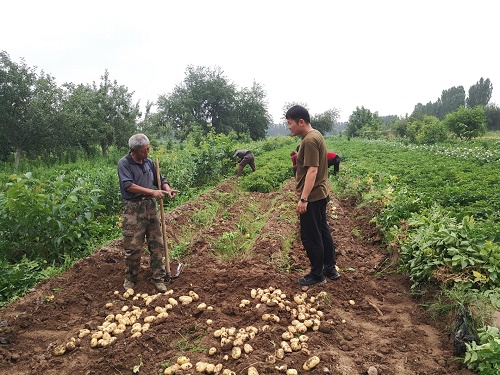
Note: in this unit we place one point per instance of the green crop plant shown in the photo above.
(484, 357)
(207, 214)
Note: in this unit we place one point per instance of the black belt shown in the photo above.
(138, 199)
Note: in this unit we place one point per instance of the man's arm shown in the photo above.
(311, 174)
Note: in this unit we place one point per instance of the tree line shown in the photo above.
(453, 113)
(39, 119)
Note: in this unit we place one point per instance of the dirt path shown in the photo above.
(382, 327)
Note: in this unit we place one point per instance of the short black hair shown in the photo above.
(298, 112)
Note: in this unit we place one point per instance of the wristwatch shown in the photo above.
(304, 200)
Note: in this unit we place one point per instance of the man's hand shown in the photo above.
(170, 192)
(301, 207)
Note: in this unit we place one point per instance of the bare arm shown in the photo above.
(311, 174)
(158, 194)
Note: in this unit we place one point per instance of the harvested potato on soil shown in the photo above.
(311, 363)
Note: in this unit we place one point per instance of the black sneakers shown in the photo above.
(308, 280)
(332, 276)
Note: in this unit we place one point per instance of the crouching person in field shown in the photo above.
(333, 159)
(137, 176)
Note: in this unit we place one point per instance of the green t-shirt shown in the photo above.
(312, 153)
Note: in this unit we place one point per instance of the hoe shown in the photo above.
(169, 275)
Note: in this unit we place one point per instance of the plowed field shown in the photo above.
(365, 320)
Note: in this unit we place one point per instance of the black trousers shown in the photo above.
(336, 164)
(317, 239)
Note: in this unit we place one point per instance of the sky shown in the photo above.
(384, 55)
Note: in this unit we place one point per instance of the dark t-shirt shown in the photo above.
(130, 172)
(312, 153)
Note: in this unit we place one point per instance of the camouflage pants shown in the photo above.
(140, 220)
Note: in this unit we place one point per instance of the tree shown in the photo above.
(363, 123)
(428, 130)
(480, 93)
(251, 114)
(205, 98)
(325, 122)
(451, 100)
(28, 106)
(117, 113)
(492, 113)
(467, 123)
(101, 115)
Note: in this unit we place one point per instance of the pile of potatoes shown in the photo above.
(138, 319)
(304, 315)
(183, 363)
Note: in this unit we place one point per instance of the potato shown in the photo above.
(305, 351)
(159, 309)
(161, 317)
(71, 344)
(280, 353)
(209, 322)
(110, 318)
(291, 371)
(301, 328)
(286, 347)
(93, 342)
(236, 352)
(108, 305)
(271, 359)
(171, 370)
(298, 299)
(295, 345)
(59, 350)
(247, 348)
(287, 335)
(83, 332)
(149, 319)
(173, 301)
(210, 368)
(182, 359)
(185, 300)
(193, 295)
(202, 306)
(212, 351)
(186, 366)
(201, 366)
(311, 363)
(252, 371)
